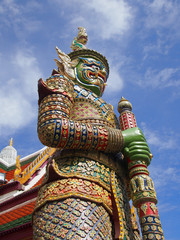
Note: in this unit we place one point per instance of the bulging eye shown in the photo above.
(95, 67)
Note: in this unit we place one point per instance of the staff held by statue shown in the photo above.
(141, 185)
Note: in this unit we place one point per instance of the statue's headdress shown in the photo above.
(90, 53)
(79, 50)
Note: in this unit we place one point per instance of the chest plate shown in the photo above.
(88, 107)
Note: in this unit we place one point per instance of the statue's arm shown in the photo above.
(55, 129)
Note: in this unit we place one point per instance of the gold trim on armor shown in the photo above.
(80, 175)
(74, 187)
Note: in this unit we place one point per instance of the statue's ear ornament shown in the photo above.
(65, 65)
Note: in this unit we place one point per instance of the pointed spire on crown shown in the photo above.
(80, 50)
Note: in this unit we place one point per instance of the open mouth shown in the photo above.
(100, 77)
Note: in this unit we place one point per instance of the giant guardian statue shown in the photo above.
(100, 162)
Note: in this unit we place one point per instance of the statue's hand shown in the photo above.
(135, 145)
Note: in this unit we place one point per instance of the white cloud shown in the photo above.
(16, 110)
(115, 81)
(159, 23)
(160, 47)
(160, 141)
(14, 15)
(164, 176)
(25, 66)
(107, 19)
(9, 6)
(167, 77)
(19, 91)
(114, 17)
(162, 13)
(166, 207)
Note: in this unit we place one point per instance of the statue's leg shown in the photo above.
(125, 209)
(72, 218)
(122, 208)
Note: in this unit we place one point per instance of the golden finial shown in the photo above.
(11, 142)
(80, 41)
(18, 168)
(124, 104)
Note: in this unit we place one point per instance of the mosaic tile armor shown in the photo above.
(88, 184)
(81, 175)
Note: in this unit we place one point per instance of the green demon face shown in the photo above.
(91, 74)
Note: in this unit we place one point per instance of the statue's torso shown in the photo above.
(85, 176)
(89, 108)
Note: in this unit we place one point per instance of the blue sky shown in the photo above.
(140, 39)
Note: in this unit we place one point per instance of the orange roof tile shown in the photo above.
(2, 170)
(17, 213)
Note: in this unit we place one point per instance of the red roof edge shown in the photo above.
(21, 198)
(20, 232)
(9, 187)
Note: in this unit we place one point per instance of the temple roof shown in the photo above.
(15, 216)
(17, 196)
